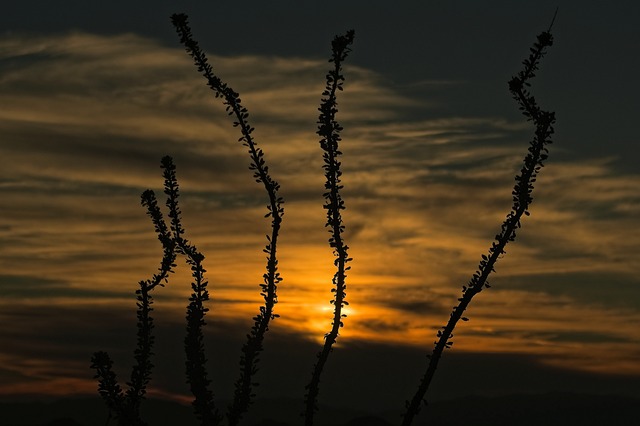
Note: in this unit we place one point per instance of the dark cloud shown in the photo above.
(584, 337)
(384, 326)
(35, 287)
(408, 299)
(420, 306)
(595, 288)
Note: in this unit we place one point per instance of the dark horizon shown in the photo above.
(359, 374)
(554, 409)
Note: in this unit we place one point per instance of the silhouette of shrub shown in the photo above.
(125, 406)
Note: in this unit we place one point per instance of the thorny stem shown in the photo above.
(197, 375)
(127, 407)
(329, 131)
(250, 351)
(533, 162)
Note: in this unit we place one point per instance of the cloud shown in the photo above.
(88, 117)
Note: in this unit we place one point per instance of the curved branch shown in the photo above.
(533, 162)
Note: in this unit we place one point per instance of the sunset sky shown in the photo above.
(92, 96)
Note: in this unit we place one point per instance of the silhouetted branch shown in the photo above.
(127, 407)
(533, 162)
(141, 372)
(108, 387)
(231, 99)
(329, 131)
(197, 375)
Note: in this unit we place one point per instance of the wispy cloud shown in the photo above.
(86, 119)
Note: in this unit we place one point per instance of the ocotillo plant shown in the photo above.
(126, 405)
(252, 348)
(329, 131)
(197, 376)
(533, 162)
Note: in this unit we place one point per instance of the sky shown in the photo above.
(93, 95)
